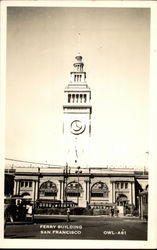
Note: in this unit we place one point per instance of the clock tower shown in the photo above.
(77, 116)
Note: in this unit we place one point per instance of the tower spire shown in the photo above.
(79, 39)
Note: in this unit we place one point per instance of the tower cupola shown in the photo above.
(78, 64)
(78, 75)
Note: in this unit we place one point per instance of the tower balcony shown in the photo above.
(77, 97)
(73, 87)
(77, 108)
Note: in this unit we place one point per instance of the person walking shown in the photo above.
(117, 212)
(112, 212)
(30, 212)
(68, 215)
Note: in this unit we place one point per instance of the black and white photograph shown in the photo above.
(77, 123)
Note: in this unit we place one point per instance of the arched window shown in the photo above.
(80, 97)
(77, 97)
(122, 199)
(85, 97)
(25, 195)
(48, 188)
(73, 97)
(99, 189)
(74, 189)
(69, 97)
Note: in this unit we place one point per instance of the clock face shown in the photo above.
(77, 127)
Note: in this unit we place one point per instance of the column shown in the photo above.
(133, 192)
(113, 192)
(72, 77)
(34, 183)
(61, 191)
(138, 205)
(141, 206)
(18, 188)
(15, 187)
(83, 200)
(89, 191)
(36, 190)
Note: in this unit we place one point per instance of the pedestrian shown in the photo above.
(68, 215)
(117, 212)
(30, 212)
(112, 212)
(22, 211)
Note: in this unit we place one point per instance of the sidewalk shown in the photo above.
(40, 217)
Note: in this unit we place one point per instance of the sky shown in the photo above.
(41, 48)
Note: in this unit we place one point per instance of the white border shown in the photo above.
(152, 225)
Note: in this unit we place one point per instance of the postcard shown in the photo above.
(78, 99)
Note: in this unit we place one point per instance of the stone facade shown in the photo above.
(81, 187)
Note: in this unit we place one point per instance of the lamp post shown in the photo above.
(78, 172)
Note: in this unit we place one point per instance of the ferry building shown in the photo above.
(75, 184)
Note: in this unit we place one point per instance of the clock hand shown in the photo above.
(77, 125)
(76, 128)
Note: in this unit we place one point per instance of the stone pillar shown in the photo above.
(113, 192)
(15, 187)
(89, 191)
(138, 205)
(130, 193)
(34, 183)
(57, 197)
(18, 187)
(141, 208)
(61, 190)
(36, 190)
(133, 193)
(82, 198)
(72, 77)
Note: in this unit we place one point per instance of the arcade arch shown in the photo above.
(99, 189)
(48, 188)
(74, 189)
(122, 200)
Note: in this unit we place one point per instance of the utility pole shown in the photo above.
(78, 172)
(79, 39)
(66, 173)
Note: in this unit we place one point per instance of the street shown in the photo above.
(79, 227)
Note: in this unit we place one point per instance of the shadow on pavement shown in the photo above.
(19, 237)
(45, 220)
